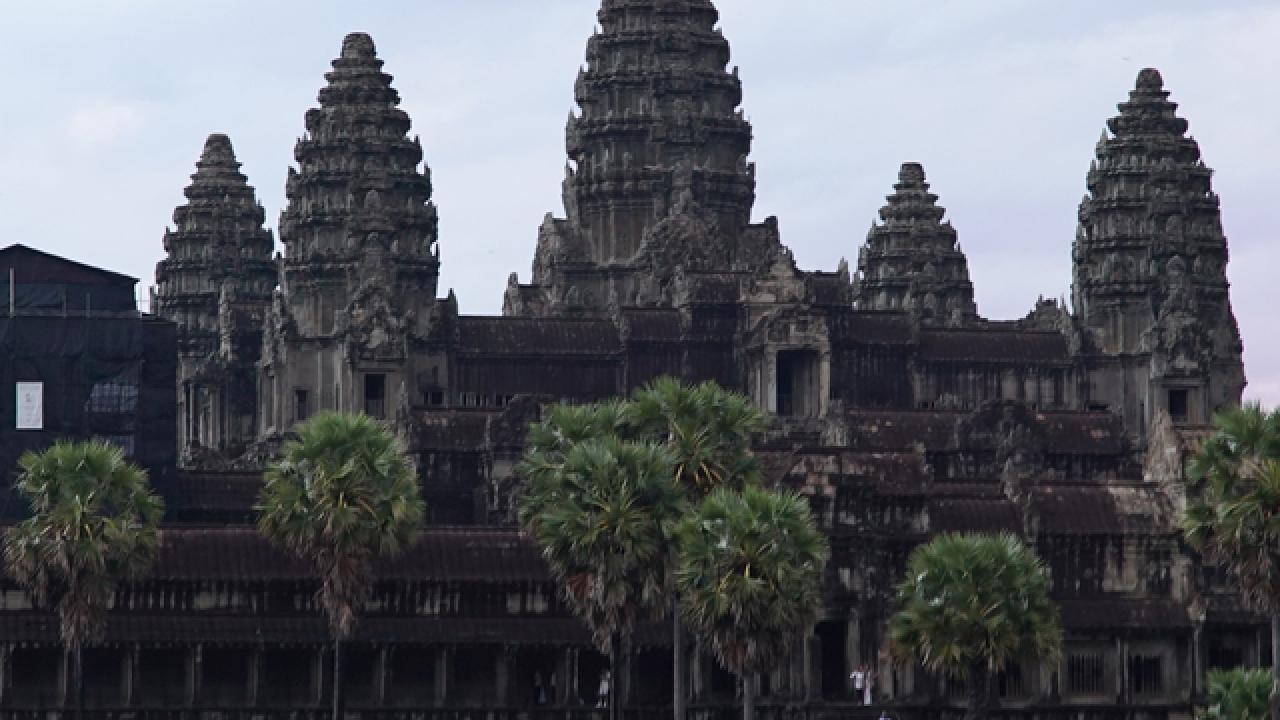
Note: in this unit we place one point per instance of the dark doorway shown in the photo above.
(1179, 405)
(412, 676)
(162, 677)
(797, 383)
(375, 395)
(831, 637)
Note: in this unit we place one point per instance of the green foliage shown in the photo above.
(1239, 694)
(601, 516)
(750, 574)
(342, 493)
(548, 442)
(706, 428)
(973, 603)
(1234, 518)
(94, 524)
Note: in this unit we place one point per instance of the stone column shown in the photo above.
(1197, 659)
(64, 678)
(697, 685)
(318, 661)
(5, 678)
(812, 667)
(441, 678)
(129, 675)
(502, 675)
(567, 678)
(824, 383)
(852, 651)
(195, 668)
(1122, 670)
(770, 381)
(255, 671)
(380, 667)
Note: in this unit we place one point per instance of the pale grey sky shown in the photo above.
(107, 104)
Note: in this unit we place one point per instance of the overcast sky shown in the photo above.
(107, 104)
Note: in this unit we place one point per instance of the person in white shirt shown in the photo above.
(859, 677)
(602, 693)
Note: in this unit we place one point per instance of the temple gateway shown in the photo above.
(895, 406)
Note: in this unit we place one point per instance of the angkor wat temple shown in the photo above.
(894, 405)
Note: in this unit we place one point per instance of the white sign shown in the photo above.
(30, 406)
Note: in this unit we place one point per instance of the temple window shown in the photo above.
(1146, 675)
(162, 677)
(475, 683)
(1086, 674)
(797, 383)
(1226, 654)
(1011, 682)
(1179, 405)
(34, 677)
(301, 407)
(104, 676)
(225, 678)
(287, 677)
(375, 395)
(361, 671)
(411, 676)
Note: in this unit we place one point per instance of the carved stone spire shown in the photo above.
(659, 118)
(217, 247)
(1149, 259)
(216, 283)
(911, 261)
(361, 266)
(357, 193)
(1150, 200)
(659, 135)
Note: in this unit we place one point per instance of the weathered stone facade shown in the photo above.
(216, 283)
(894, 406)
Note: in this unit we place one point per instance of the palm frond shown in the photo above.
(342, 493)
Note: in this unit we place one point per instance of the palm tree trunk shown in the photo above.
(979, 691)
(615, 657)
(748, 696)
(77, 673)
(1275, 665)
(678, 663)
(338, 652)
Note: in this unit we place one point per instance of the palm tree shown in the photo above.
(94, 525)
(549, 441)
(708, 431)
(1234, 519)
(1239, 694)
(342, 494)
(601, 518)
(750, 578)
(972, 604)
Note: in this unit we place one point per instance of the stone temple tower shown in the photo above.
(359, 274)
(216, 283)
(1150, 283)
(660, 135)
(912, 260)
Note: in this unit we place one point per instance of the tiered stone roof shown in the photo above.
(358, 204)
(911, 261)
(1150, 235)
(659, 120)
(218, 252)
(1150, 200)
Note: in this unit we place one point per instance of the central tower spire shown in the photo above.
(659, 136)
(659, 118)
(360, 270)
